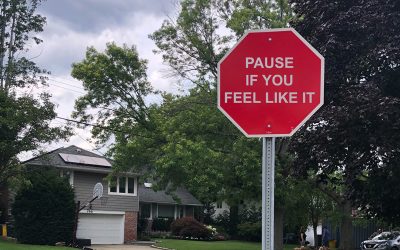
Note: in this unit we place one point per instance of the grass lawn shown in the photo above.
(9, 245)
(211, 245)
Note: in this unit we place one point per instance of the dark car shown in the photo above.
(383, 241)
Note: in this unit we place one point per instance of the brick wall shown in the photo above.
(130, 232)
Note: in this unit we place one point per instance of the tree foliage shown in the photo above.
(191, 44)
(354, 138)
(18, 23)
(116, 85)
(44, 210)
(24, 118)
(245, 15)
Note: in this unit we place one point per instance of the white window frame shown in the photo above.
(126, 187)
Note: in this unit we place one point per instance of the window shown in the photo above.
(122, 186)
(166, 211)
(131, 185)
(113, 185)
(219, 204)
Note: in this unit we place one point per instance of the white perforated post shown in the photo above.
(268, 184)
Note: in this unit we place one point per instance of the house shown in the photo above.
(158, 204)
(220, 207)
(113, 218)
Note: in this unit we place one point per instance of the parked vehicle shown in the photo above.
(383, 241)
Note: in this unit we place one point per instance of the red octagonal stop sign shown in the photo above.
(270, 83)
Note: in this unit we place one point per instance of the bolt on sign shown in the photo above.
(270, 83)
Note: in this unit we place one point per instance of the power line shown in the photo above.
(78, 87)
(84, 123)
(81, 137)
(90, 144)
(53, 84)
(102, 127)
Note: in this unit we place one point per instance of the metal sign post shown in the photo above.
(268, 185)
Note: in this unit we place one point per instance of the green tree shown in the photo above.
(191, 45)
(116, 85)
(356, 134)
(319, 206)
(44, 210)
(24, 118)
(244, 15)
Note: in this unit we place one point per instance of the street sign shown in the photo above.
(270, 83)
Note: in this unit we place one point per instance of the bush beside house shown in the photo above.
(161, 224)
(188, 227)
(44, 209)
(248, 227)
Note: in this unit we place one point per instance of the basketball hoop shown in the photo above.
(97, 193)
(98, 190)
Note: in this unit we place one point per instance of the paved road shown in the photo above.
(121, 247)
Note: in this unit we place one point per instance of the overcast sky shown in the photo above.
(74, 25)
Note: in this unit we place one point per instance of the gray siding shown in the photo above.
(83, 187)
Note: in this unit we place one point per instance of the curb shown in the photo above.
(161, 248)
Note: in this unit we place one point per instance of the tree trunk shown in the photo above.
(346, 227)
(316, 243)
(2, 42)
(233, 218)
(4, 197)
(278, 228)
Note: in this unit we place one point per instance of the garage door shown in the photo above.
(101, 228)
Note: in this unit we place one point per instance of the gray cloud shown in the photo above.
(94, 15)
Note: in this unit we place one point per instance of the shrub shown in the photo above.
(250, 231)
(226, 225)
(161, 224)
(44, 211)
(141, 229)
(188, 227)
(252, 214)
(223, 221)
(208, 213)
(142, 225)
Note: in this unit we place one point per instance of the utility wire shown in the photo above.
(86, 124)
(90, 144)
(55, 80)
(53, 84)
(81, 137)
(102, 127)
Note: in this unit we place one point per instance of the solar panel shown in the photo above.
(88, 160)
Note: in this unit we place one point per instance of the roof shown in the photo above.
(53, 158)
(151, 196)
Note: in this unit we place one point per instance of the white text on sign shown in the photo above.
(269, 98)
(269, 80)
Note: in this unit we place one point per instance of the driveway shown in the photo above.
(121, 247)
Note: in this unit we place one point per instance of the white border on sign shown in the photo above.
(322, 81)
